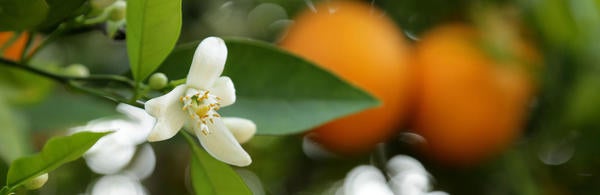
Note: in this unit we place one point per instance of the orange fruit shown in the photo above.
(470, 104)
(14, 50)
(364, 47)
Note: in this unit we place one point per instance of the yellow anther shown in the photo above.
(204, 130)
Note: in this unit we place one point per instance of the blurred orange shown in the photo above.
(14, 50)
(471, 104)
(360, 44)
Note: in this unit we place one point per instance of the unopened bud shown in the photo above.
(37, 182)
(118, 11)
(77, 70)
(101, 4)
(242, 129)
(158, 81)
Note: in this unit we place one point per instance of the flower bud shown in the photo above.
(242, 129)
(118, 11)
(158, 81)
(101, 4)
(77, 70)
(37, 182)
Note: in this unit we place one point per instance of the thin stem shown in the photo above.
(116, 78)
(14, 64)
(28, 45)
(379, 157)
(53, 36)
(175, 83)
(72, 82)
(63, 78)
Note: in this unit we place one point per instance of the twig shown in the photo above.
(72, 82)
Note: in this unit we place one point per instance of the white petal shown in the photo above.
(242, 129)
(364, 180)
(118, 184)
(223, 88)
(141, 122)
(169, 114)
(409, 183)
(402, 163)
(110, 157)
(143, 163)
(132, 112)
(208, 63)
(221, 144)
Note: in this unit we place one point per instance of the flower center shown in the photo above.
(202, 108)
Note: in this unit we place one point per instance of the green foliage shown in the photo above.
(153, 27)
(13, 142)
(21, 14)
(46, 117)
(22, 88)
(61, 10)
(281, 93)
(584, 107)
(56, 152)
(211, 176)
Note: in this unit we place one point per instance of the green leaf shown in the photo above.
(281, 93)
(153, 27)
(60, 10)
(18, 15)
(56, 152)
(13, 142)
(211, 176)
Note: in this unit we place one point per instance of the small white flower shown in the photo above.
(408, 177)
(195, 104)
(128, 180)
(115, 155)
(363, 180)
(112, 153)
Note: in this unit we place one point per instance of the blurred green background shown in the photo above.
(559, 152)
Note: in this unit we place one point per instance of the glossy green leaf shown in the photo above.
(13, 139)
(281, 93)
(211, 176)
(21, 14)
(153, 28)
(56, 152)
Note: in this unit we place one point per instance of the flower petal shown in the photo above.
(401, 163)
(409, 183)
(208, 63)
(223, 88)
(221, 144)
(141, 123)
(143, 163)
(110, 157)
(242, 129)
(118, 184)
(364, 180)
(168, 113)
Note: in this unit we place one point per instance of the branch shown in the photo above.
(72, 82)
(63, 78)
